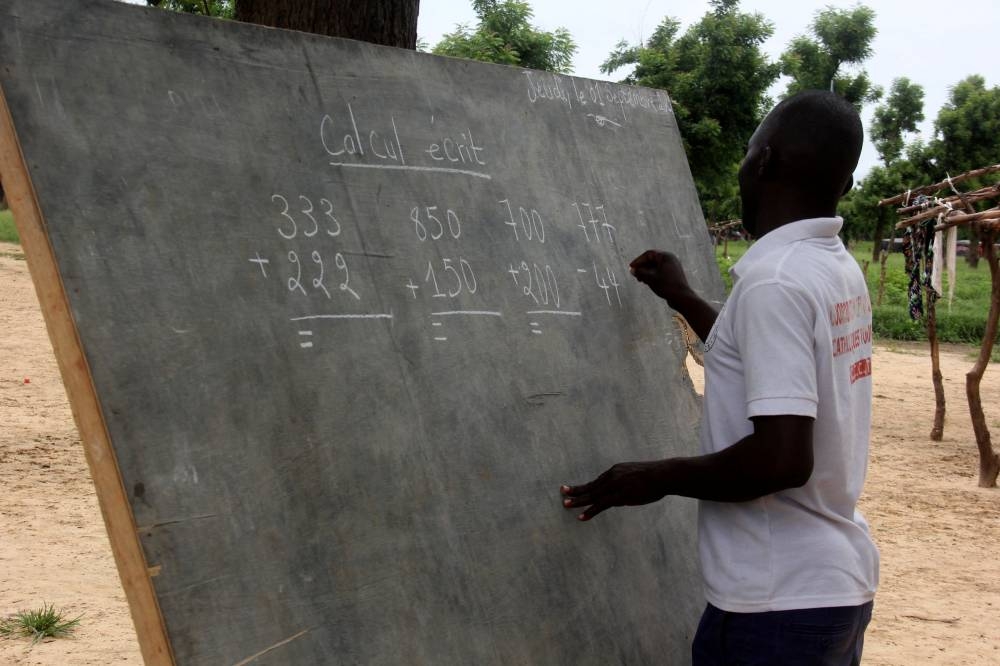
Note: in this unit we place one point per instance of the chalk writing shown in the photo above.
(531, 223)
(535, 282)
(463, 276)
(601, 220)
(607, 283)
(291, 230)
(433, 221)
(462, 150)
(354, 143)
(260, 261)
(603, 121)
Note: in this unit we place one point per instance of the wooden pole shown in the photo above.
(940, 186)
(989, 462)
(991, 192)
(937, 430)
(111, 495)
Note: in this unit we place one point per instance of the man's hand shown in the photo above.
(625, 484)
(662, 272)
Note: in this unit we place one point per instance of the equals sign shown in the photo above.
(534, 327)
(307, 344)
(439, 338)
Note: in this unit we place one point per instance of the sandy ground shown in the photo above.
(939, 601)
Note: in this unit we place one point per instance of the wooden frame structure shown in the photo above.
(956, 208)
(136, 576)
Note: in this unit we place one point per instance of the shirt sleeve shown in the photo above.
(774, 328)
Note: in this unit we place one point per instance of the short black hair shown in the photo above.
(816, 136)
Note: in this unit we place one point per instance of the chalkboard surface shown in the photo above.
(352, 314)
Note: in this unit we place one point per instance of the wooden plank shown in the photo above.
(115, 509)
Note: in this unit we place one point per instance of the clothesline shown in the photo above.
(989, 192)
(951, 206)
(948, 182)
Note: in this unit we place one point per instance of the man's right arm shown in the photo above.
(662, 272)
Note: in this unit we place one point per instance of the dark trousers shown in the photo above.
(811, 637)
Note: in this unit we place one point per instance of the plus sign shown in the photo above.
(260, 262)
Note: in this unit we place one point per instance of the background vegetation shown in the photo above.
(8, 233)
(964, 322)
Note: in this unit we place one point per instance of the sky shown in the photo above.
(918, 39)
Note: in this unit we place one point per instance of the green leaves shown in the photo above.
(967, 128)
(218, 8)
(717, 76)
(899, 115)
(504, 35)
(839, 37)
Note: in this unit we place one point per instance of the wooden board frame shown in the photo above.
(133, 571)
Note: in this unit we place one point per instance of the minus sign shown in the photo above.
(305, 345)
(441, 339)
(582, 270)
(436, 323)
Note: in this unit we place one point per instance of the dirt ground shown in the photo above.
(939, 534)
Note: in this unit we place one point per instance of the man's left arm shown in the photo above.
(774, 328)
(778, 455)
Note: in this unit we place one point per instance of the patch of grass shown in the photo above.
(964, 322)
(8, 232)
(46, 622)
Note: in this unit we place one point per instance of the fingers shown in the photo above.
(586, 488)
(596, 505)
(593, 510)
(589, 495)
(579, 500)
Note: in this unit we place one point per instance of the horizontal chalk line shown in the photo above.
(344, 316)
(554, 312)
(406, 167)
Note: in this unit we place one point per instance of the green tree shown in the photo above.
(863, 217)
(899, 115)
(717, 76)
(839, 37)
(967, 129)
(504, 35)
(967, 135)
(220, 8)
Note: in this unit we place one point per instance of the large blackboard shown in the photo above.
(351, 315)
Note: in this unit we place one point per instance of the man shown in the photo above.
(789, 567)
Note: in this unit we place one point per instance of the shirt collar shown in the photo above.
(786, 234)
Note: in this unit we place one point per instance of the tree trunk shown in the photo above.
(387, 22)
(877, 237)
(937, 430)
(883, 257)
(973, 257)
(989, 462)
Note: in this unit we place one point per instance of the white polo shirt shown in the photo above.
(794, 337)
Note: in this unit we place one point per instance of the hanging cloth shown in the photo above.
(951, 254)
(918, 250)
(938, 262)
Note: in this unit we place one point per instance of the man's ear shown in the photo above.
(848, 186)
(765, 163)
